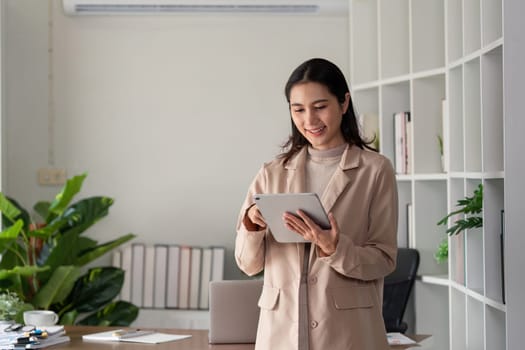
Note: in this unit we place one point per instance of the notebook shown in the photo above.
(234, 313)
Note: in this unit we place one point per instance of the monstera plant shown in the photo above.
(43, 262)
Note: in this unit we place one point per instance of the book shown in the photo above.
(125, 292)
(149, 276)
(407, 147)
(160, 276)
(137, 273)
(217, 269)
(205, 278)
(445, 143)
(184, 277)
(47, 342)
(134, 336)
(400, 150)
(195, 277)
(172, 285)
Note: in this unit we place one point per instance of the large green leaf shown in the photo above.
(65, 196)
(22, 271)
(120, 313)
(102, 249)
(60, 251)
(12, 207)
(86, 212)
(58, 287)
(7, 208)
(69, 318)
(96, 288)
(12, 232)
(42, 209)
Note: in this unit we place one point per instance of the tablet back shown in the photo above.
(273, 206)
(234, 313)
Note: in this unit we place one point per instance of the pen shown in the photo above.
(122, 334)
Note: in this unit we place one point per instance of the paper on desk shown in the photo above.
(396, 338)
(150, 338)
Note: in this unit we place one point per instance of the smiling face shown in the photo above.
(317, 114)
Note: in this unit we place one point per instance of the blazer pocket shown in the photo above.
(352, 298)
(269, 298)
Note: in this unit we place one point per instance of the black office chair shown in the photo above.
(398, 286)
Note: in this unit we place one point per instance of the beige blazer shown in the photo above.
(345, 289)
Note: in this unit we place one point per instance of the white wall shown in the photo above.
(170, 115)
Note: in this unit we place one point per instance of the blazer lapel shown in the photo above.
(296, 177)
(341, 178)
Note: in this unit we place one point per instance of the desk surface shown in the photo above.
(198, 341)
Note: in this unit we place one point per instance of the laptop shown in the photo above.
(234, 313)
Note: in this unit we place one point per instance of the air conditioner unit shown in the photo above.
(149, 7)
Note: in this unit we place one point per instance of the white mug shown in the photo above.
(40, 318)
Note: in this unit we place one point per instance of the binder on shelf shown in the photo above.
(149, 276)
(116, 262)
(137, 273)
(172, 286)
(205, 278)
(160, 276)
(445, 141)
(217, 270)
(116, 259)
(195, 277)
(402, 142)
(184, 277)
(125, 292)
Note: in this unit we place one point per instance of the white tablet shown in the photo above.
(273, 206)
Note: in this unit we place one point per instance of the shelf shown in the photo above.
(492, 112)
(394, 32)
(495, 328)
(364, 21)
(428, 35)
(471, 26)
(439, 280)
(475, 324)
(452, 85)
(492, 21)
(458, 320)
(454, 15)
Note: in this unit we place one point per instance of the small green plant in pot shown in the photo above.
(470, 208)
(42, 263)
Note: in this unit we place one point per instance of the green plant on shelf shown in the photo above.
(469, 218)
(42, 263)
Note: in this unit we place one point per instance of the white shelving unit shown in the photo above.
(411, 55)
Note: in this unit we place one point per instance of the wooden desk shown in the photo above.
(198, 341)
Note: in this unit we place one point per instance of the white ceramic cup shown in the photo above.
(40, 318)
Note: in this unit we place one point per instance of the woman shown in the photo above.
(326, 294)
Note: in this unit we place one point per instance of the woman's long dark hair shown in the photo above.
(324, 72)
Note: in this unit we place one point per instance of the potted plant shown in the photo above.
(42, 264)
(469, 210)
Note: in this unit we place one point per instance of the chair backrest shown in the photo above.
(234, 313)
(397, 289)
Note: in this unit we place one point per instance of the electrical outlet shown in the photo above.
(52, 176)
